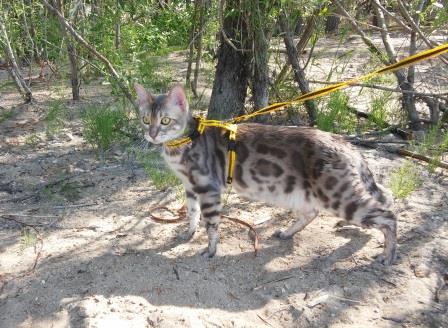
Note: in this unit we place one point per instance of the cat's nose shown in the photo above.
(153, 133)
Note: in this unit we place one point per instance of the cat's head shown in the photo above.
(163, 117)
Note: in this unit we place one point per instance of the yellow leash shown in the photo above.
(230, 125)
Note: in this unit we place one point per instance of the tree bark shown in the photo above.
(191, 43)
(299, 74)
(260, 80)
(405, 82)
(198, 44)
(14, 70)
(117, 26)
(71, 52)
(233, 69)
(114, 74)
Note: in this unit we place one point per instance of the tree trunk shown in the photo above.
(332, 24)
(14, 70)
(260, 80)
(192, 42)
(198, 43)
(117, 27)
(72, 54)
(405, 82)
(233, 68)
(299, 74)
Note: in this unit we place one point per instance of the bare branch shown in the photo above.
(442, 96)
(94, 52)
(395, 18)
(364, 37)
(404, 12)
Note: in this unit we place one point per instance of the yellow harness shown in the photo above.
(230, 125)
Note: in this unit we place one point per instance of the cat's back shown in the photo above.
(282, 142)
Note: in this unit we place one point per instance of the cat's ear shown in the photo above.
(144, 96)
(177, 97)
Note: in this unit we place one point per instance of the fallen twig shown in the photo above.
(273, 280)
(74, 205)
(181, 212)
(399, 151)
(256, 238)
(264, 320)
(443, 95)
(407, 153)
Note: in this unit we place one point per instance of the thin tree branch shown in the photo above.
(94, 52)
(395, 18)
(379, 87)
(431, 44)
(364, 37)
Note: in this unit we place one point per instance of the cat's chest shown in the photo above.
(174, 160)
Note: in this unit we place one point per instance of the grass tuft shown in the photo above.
(336, 116)
(104, 127)
(55, 118)
(154, 165)
(405, 180)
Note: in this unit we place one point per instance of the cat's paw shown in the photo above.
(186, 236)
(341, 224)
(281, 235)
(206, 253)
(385, 260)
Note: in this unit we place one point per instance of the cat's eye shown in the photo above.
(165, 120)
(147, 119)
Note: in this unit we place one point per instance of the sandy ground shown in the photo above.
(101, 262)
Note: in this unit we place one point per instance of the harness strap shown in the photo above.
(202, 124)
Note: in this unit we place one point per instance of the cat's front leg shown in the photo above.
(210, 203)
(193, 213)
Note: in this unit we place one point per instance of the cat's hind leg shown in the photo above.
(374, 215)
(304, 218)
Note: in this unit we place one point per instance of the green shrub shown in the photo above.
(6, 114)
(336, 115)
(378, 114)
(405, 180)
(105, 126)
(32, 140)
(55, 118)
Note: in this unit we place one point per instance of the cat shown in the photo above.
(298, 168)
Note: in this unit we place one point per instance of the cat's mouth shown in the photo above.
(155, 141)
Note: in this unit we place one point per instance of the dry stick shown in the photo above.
(14, 70)
(181, 216)
(405, 152)
(94, 52)
(251, 227)
(264, 320)
(379, 87)
(299, 74)
(395, 18)
(300, 46)
(273, 280)
(223, 33)
(364, 37)
(417, 29)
